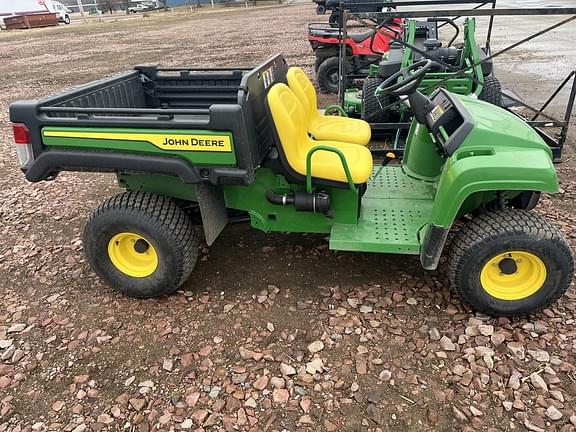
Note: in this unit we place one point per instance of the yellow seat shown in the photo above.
(321, 127)
(289, 120)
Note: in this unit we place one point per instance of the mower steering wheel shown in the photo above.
(412, 75)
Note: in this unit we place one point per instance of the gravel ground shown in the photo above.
(272, 332)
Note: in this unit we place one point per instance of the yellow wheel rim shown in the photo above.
(513, 275)
(133, 255)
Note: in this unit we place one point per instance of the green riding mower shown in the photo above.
(421, 42)
(193, 145)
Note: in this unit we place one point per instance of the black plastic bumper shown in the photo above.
(51, 162)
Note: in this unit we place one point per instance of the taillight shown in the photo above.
(21, 133)
(23, 144)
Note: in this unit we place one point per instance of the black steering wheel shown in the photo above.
(412, 75)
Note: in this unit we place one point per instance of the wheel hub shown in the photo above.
(132, 254)
(141, 246)
(508, 266)
(513, 275)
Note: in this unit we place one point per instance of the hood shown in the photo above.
(497, 127)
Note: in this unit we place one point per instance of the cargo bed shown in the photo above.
(166, 104)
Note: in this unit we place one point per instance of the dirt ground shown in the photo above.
(271, 332)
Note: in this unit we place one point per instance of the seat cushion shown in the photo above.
(288, 116)
(328, 166)
(304, 90)
(359, 37)
(321, 127)
(344, 129)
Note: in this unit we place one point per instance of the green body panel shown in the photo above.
(159, 184)
(353, 101)
(269, 217)
(421, 157)
(194, 157)
(501, 153)
(481, 169)
(461, 86)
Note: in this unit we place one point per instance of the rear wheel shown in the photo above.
(372, 111)
(491, 91)
(141, 244)
(509, 263)
(327, 75)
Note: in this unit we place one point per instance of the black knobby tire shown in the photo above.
(327, 75)
(318, 62)
(491, 91)
(491, 234)
(66, 20)
(372, 111)
(159, 220)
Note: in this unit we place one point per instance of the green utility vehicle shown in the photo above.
(424, 37)
(211, 142)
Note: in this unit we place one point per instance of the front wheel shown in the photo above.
(142, 244)
(510, 263)
(66, 20)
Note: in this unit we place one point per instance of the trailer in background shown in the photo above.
(25, 14)
(20, 22)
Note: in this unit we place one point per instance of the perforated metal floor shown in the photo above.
(394, 210)
(392, 182)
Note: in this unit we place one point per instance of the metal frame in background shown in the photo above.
(556, 145)
(356, 9)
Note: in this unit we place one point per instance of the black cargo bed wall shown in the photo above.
(122, 91)
(189, 88)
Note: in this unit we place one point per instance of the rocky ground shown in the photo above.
(272, 332)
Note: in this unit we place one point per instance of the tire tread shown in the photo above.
(371, 105)
(165, 212)
(491, 91)
(497, 224)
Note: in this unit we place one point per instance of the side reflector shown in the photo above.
(21, 133)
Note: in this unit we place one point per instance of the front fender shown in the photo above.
(474, 170)
(479, 169)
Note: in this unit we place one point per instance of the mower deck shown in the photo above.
(394, 209)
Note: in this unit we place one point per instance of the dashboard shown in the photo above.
(448, 121)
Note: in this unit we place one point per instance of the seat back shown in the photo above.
(304, 90)
(290, 122)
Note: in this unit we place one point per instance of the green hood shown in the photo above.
(497, 127)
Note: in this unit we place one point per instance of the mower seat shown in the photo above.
(359, 37)
(321, 127)
(289, 117)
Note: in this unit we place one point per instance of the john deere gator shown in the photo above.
(184, 140)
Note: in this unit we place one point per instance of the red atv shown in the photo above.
(359, 52)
